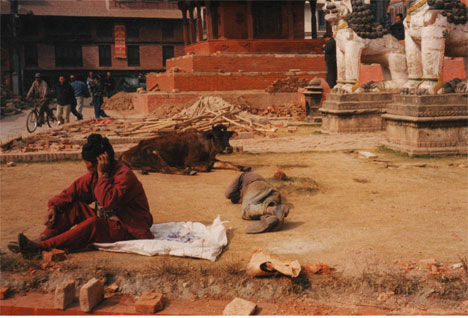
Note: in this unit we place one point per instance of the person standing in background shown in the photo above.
(109, 85)
(330, 60)
(89, 80)
(97, 88)
(80, 91)
(65, 98)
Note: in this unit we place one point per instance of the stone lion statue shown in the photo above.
(433, 29)
(360, 38)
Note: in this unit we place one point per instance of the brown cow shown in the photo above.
(184, 153)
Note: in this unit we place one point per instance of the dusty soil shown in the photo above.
(120, 101)
(371, 219)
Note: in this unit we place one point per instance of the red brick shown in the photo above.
(91, 294)
(149, 303)
(112, 288)
(4, 292)
(55, 255)
(239, 307)
(64, 295)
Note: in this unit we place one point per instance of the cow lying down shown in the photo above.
(184, 153)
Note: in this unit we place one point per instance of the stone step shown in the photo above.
(247, 62)
(210, 81)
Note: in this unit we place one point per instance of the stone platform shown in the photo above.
(428, 124)
(348, 113)
(227, 72)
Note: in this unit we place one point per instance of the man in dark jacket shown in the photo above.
(330, 60)
(65, 99)
(109, 85)
(397, 29)
(97, 89)
(121, 210)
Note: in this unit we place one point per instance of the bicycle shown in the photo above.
(33, 117)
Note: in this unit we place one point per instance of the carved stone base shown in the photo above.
(346, 113)
(428, 125)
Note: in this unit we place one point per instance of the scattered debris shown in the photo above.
(149, 303)
(4, 292)
(120, 101)
(91, 294)
(280, 175)
(290, 84)
(358, 180)
(319, 268)
(457, 265)
(239, 307)
(112, 288)
(64, 295)
(55, 255)
(385, 296)
(11, 164)
(262, 264)
(367, 154)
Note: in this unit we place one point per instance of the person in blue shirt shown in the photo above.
(80, 91)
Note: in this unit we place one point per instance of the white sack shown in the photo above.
(192, 239)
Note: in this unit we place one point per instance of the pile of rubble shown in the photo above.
(64, 138)
(289, 111)
(202, 116)
(120, 101)
(287, 85)
(10, 104)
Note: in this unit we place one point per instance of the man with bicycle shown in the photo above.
(40, 90)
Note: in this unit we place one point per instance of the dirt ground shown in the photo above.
(358, 215)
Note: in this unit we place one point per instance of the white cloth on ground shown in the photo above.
(191, 239)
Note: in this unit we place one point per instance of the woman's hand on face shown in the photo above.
(102, 164)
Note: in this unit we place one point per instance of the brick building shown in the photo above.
(56, 36)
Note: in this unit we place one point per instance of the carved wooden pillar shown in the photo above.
(209, 20)
(313, 18)
(199, 24)
(192, 31)
(185, 27)
(221, 20)
(250, 31)
(290, 21)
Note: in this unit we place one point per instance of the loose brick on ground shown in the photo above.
(149, 303)
(239, 307)
(112, 288)
(55, 255)
(4, 292)
(91, 294)
(64, 295)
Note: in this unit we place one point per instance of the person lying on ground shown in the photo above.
(121, 210)
(259, 201)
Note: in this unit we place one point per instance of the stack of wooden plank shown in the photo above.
(202, 116)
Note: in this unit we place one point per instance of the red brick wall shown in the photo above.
(256, 46)
(186, 82)
(150, 58)
(249, 63)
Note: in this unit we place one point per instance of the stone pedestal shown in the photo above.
(428, 124)
(347, 113)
